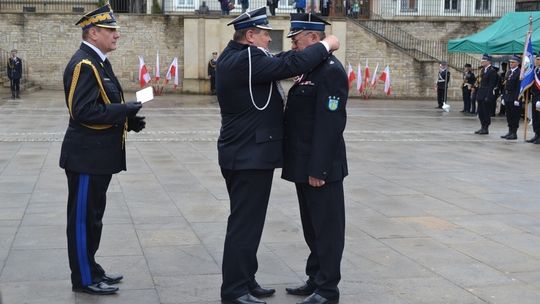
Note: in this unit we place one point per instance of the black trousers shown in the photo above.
(272, 8)
(15, 84)
(484, 113)
(513, 115)
(323, 220)
(466, 99)
(535, 116)
(213, 84)
(86, 206)
(441, 96)
(249, 191)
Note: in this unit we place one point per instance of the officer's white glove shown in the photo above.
(502, 102)
(516, 103)
(538, 104)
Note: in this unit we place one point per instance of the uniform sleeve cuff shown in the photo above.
(326, 45)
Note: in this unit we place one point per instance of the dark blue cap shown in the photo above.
(486, 57)
(255, 18)
(306, 22)
(515, 58)
(102, 17)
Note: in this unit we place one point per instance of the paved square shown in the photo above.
(435, 214)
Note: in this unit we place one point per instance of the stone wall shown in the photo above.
(46, 42)
(408, 76)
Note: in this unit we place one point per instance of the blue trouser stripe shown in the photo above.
(80, 228)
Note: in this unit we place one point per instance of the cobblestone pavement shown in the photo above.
(435, 214)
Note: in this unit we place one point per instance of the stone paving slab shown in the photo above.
(435, 213)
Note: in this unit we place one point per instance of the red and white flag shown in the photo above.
(366, 75)
(385, 76)
(144, 76)
(173, 72)
(156, 70)
(351, 75)
(359, 80)
(374, 78)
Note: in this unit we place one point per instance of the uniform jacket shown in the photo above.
(511, 87)
(249, 138)
(212, 68)
(14, 68)
(443, 78)
(315, 119)
(535, 88)
(94, 140)
(488, 83)
(469, 79)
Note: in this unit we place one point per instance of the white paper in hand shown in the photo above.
(145, 94)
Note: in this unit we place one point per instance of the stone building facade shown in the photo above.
(47, 41)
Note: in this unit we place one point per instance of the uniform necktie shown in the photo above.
(107, 66)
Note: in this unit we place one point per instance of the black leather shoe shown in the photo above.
(318, 299)
(478, 131)
(245, 299)
(511, 136)
(100, 288)
(304, 290)
(537, 141)
(260, 292)
(111, 278)
(483, 132)
(505, 135)
(532, 139)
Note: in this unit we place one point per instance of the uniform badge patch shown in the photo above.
(333, 103)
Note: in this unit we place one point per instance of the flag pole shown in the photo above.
(525, 119)
(527, 91)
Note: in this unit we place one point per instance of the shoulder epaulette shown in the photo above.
(74, 81)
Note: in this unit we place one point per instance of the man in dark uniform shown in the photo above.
(535, 104)
(315, 160)
(14, 72)
(250, 141)
(468, 82)
(94, 145)
(511, 98)
(212, 72)
(485, 94)
(443, 80)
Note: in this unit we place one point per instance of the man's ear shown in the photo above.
(92, 33)
(249, 36)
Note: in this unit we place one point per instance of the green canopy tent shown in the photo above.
(505, 36)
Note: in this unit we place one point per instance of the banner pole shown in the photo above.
(525, 121)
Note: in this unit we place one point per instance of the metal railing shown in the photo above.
(443, 8)
(213, 7)
(421, 50)
(389, 9)
(525, 6)
(67, 6)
